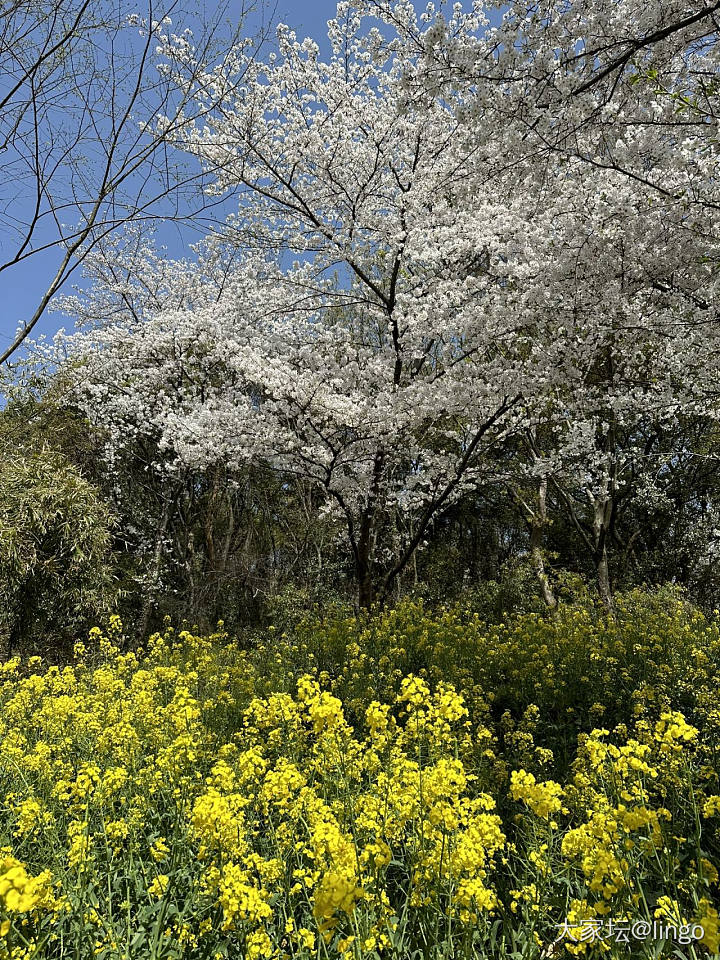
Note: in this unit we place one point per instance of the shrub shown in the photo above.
(54, 549)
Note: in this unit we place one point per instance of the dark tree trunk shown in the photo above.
(155, 565)
(365, 547)
(601, 526)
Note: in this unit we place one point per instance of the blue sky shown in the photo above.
(22, 284)
(308, 19)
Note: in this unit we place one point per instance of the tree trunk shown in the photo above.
(603, 581)
(601, 527)
(191, 578)
(537, 525)
(363, 559)
(433, 508)
(365, 590)
(366, 538)
(155, 566)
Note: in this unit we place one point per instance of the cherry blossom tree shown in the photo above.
(619, 100)
(420, 272)
(379, 362)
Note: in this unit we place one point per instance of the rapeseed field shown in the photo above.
(415, 783)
